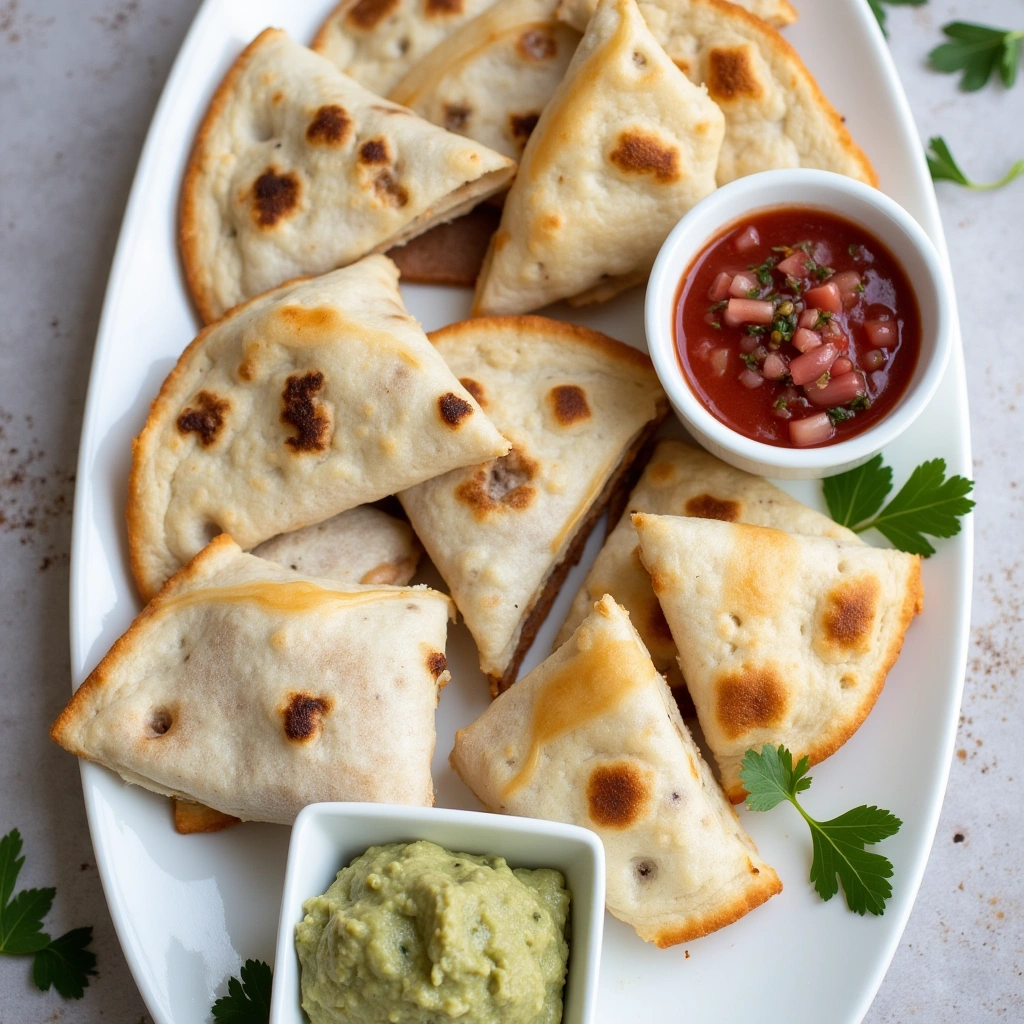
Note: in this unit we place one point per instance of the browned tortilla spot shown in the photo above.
(730, 74)
(303, 717)
(368, 13)
(388, 189)
(374, 151)
(453, 409)
(476, 389)
(275, 196)
(617, 795)
(330, 126)
(500, 485)
(536, 44)
(301, 412)
(848, 620)
(569, 403)
(456, 117)
(707, 506)
(206, 419)
(751, 698)
(442, 8)
(436, 663)
(638, 152)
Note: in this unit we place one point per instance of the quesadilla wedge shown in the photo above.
(592, 737)
(491, 79)
(577, 408)
(777, 13)
(775, 114)
(681, 480)
(305, 402)
(297, 169)
(254, 691)
(377, 41)
(781, 638)
(623, 149)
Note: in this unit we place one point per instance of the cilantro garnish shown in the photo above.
(838, 844)
(751, 360)
(979, 52)
(928, 503)
(764, 270)
(837, 414)
(823, 318)
(944, 168)
(716, 306)
(66, 963)
(755, 329)
(248, 1001)
(818, 270)
(879, 11)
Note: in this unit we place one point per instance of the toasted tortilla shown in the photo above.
(297, 169)
(777, 13)
(624, 148)
(255, 691)
(305, 402)
(577, 408)
(592, 737)
(378, 41)
(781, 638)
(681, 480)
(492, 78)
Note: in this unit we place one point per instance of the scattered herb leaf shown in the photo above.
(838, 844)
(248, 1001)
(944, 167)
(837, 414)
(858, 494)
(66, 963)
(879, 11)
(979, 52)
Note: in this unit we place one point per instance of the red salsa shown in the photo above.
(796, 327)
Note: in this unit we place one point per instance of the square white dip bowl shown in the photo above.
(327, 837)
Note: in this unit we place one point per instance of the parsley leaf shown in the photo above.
(65, 962)
(943, 167)
(857, 494)
(838, 844)
(879, 11)
(247, 1002)
(979, 52)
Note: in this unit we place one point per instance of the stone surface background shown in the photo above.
(79, 80)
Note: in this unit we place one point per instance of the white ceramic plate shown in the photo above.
(189, 909)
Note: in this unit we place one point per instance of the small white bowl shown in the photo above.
(881, 217)
(326, 837)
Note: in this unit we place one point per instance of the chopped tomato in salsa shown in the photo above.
(796, 327)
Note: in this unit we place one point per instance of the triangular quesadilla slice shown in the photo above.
(775, 113)
(577, 408)
(624, 148)
(681, 480)
(781, 638)
(491, 80)
(592, 737)
(378, 41)
(297, 169)
(305, 402)
(255, 691)
(777, 13)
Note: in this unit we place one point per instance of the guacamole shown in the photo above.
(413, 934)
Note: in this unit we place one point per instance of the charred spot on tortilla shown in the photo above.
(436, 663)
(275, 196)
(522, 126)
(476, 389)
(731, 74)
(500, 485)
(453, 409)
(442, 8)
(848, 620)
(206, 418)
(330, 126)
(388, 189)
(569, 404)
(617, 795)
(536, 44)
(750, 698)
(640, 152)
(456, 116)
(303, 716)
(367, 14)
(300, 411)
(707, 506)
(374, 151)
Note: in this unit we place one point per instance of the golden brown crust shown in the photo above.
(191, 818)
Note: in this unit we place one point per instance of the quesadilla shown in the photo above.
(491, 79)
(305, 402)
(592, 737)
(577, 408)
(362, 545)
(297, 169)
(781, 638)
(777, 13)
(255, 691)
(378, 41)
(624, 148)
(681, 480)
(775, 114)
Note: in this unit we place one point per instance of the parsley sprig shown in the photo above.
(944, 168)
(979, 52)
(928, 503)
(66, 963)
(838, 844)
(879, 11)
(248, 1000)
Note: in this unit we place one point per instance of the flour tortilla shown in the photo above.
(254, 691)
(625, 147)
(577, 408)
(490, 80)
(781, 638)
(592, 737)
(305, 402)
(777, 13)
(681, 480)
(297, 169)
(377, 41)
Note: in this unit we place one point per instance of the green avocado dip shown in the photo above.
(413, 934)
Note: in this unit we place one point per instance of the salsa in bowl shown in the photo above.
(799, 321)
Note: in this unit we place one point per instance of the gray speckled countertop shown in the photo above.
(79, 80)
